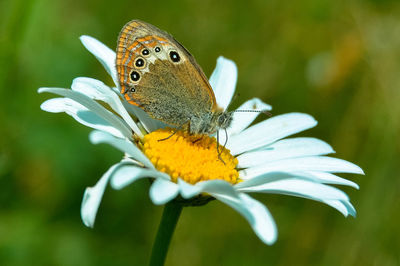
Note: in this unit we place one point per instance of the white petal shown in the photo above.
(338, 205)
(242, 120)
(210, 186)
(223, 81)
(319, 177)
(328, 178)
(92, 197)
(188, 190)
(343, 206)
(255, 213)
(311, 163)
(283, 149)
(127, 174)
(105, 55)
(93, 88)
(300, 188)
(350, 208)
(162, 191)
(93, 106)
(80, 114)
(149, 123)
(270, 131)
(267, 178)
(97, 90)
(217, 186)
(123, 145)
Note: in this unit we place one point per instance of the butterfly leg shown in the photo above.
(176, 130)
(197, 140)
(169, 136)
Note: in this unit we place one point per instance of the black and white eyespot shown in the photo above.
(132, 89)
(145, 52)
(174, 56)
(157, 49)
(140, 63)
(135, 76)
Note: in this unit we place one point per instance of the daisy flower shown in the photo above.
(259, 158)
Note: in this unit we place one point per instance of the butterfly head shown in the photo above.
(210, 122)
(224, 119)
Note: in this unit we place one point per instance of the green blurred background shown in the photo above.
(336, 60)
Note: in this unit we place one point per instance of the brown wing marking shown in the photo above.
(137, 35)
(130, 40)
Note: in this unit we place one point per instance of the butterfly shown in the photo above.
(159, 75)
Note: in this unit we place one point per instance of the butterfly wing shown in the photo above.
(160, 76)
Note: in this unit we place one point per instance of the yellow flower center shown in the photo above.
(193, 158)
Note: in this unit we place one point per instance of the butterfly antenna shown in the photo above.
(253, 111)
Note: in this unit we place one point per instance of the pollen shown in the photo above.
(193, 158)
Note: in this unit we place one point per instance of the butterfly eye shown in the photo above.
(157, 49)
(221, 120)
(145, 52)
(135, 76)
(139, 62)
(174, 56)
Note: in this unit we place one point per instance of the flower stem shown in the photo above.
(170, 216)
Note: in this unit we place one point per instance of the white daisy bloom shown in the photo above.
(262, 159)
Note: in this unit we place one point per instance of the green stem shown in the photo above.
(170, 216)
